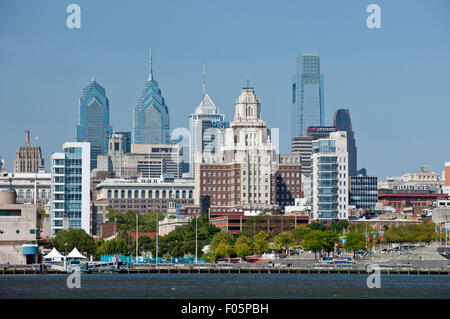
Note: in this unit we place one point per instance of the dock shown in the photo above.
(218, 269)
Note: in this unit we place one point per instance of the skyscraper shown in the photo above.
(151, 121)
(206, 128)
(307, 95)
(94, 120)
(343, 122)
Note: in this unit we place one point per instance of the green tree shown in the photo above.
(299, 233)
(243, 246)
(338, 226)
(224, 249)
(313, 241)
(284, 240)
(114, 246)
(261, 243)
(317, 226)
(219, 237)
(328, 240)
(355, 242)
(67, 239)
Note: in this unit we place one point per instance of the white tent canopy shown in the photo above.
(75, 254)
(53, 254)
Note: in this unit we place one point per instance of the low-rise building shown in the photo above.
(171, 223)
(271, 224)
(145, 160)
(31, 188)
(144, 195)
(18, 243)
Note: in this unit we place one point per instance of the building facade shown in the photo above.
(18, 243)
(363, 191)
(287, 181)
(307, 95)
(71, 187)
(94, 125)
(31, 188)
(145, 195)
(302, 145)
(330, 178)
(28, 157)
(151, 120)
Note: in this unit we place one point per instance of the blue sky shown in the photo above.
(395, 80)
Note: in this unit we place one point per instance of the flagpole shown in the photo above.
(137, 235)
(196, 244)
(157, 231)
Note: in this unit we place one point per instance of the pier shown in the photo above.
(218, 269)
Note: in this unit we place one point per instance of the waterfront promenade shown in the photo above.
(420, 261)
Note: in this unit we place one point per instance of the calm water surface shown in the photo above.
(220, 286)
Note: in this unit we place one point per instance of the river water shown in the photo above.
(221, 286)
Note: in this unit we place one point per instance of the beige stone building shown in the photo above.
(18, 243)
(28, 157)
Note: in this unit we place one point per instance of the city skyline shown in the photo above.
(385, 125)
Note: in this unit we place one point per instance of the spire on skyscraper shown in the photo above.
(150, 71)
(203, 79)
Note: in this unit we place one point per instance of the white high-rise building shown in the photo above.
(206, 127)
(330, 178)
(71, 187)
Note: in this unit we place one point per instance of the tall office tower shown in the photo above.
(240, 175)
(71, 186)
(206, 127)
(94, 120)
(151, 121)
(28, 157)
(307, 95)
(363, 191)
(330, 178)
(343, 122)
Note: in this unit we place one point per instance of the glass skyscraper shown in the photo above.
(94, 120)
(151, 121)
(307, 95)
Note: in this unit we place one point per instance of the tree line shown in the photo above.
(315, 237)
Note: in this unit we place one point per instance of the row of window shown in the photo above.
(151, 194)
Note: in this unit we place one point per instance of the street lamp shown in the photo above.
(196, 241)
(137, 235)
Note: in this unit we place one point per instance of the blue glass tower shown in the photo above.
(307, 95)
(94, 120)
(151, 121)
